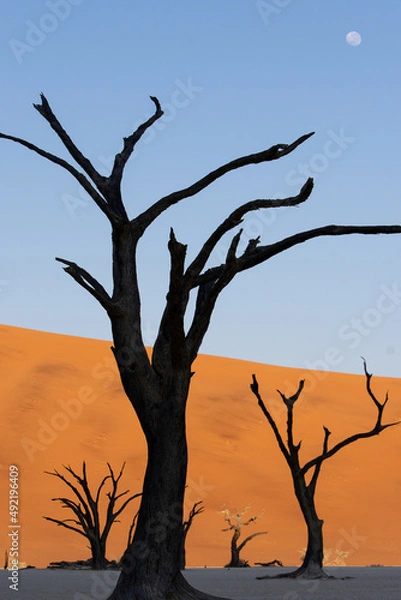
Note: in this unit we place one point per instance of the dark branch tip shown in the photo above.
(44, 106)
(307, 188)
(157, 104)
(365, 367)
(254, 385)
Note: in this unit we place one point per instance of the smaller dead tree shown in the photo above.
(312, 565)
(235, 524)
(87, 509)
(196, 509)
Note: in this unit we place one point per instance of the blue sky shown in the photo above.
(234, 78)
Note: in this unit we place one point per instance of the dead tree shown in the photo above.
(312, 565)
(87, 510)
(158, 386)
(235, 524)
(196, 509)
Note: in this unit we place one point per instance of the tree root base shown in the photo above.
(300, 574)
(182, 590)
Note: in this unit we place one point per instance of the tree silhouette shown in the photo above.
(87, 510)
(196, 509)
(158, 385)
(312, 565)
(130, 536)
(235, 524)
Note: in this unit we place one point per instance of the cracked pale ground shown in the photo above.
(361, 583)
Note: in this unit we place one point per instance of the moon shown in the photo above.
(353, 38)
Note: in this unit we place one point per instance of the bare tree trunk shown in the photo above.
(236, 561)
(150, 566)
(158, 392)
(312, 566)
(98, 551)
(183, 555)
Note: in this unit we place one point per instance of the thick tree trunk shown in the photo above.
(151, 565)
(152, 562)
(312, 566)
(98, 551)
(158, 392)
(236, 561)
(183, 555)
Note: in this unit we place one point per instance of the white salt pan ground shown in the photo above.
(365, 583)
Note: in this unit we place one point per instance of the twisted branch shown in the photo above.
(273, 153)
(262, 253)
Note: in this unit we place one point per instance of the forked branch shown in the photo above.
(106, 191)
(376, 429)
(293, 449)
(64, 523)
(262, 253)
(89, 283)
(47, 113)
(316, 472)
(80, 177)
(291, 452)
(236, 218)
(197, 509)
(130, 142)
(255, 389)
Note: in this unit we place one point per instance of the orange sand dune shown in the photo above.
(62, 403)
